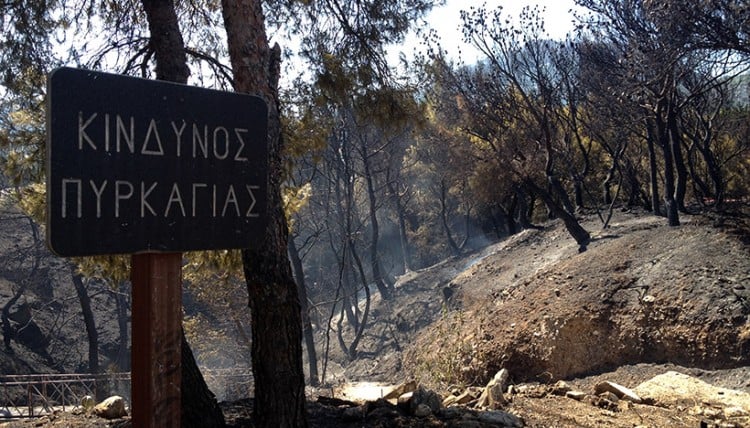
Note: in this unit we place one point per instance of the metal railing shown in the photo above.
(30, 396)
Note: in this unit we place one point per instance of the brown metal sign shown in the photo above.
(138, 165)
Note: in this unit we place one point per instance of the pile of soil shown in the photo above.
(644, 292)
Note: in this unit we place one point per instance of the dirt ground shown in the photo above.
(645, 299)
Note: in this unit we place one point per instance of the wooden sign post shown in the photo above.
(153, 169)
(157, 339)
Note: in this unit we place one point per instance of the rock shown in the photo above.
(492, 397)
(561, 388)
(404, 402)
(495, 397)
(352, 414)
(501, 419)
(610, 396)
(422, 410)
(501, 378)
(620, 391)
(677, 389)
(467, 423)
(401, 389)
(449, 413)
(88, 403)
(426, 397)
(735, 412)
(383, 413)
(111, 408)
(576, 395)
(465, 397)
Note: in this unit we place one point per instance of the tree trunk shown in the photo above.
(713, 169)
(123, 355)
(606, 186)
(352, 352)
(377, 275)
(88, 320)
(510, 221)
(673, 217)
(345, 216)
(675, 138)
(307, 331)
(700, 187)
(717, 176)
(444, 219)
(581, 235)
(558, 190)
(523, 210)
(199, 407)
(8, 331)
(274, 302)
(403, 238)
(578, 192)
(654, 173)
(166, 41)
(350, 294)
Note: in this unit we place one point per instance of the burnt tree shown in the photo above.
(274, 302)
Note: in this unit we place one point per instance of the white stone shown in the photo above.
(88, 403)
(620, 391)
(678, 389)
(735, 412)
(400, 390)
(111, 408)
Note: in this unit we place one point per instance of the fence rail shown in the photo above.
(31, 396)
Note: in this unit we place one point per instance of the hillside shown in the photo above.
(643, 300)
(643, 292)
(44, 310)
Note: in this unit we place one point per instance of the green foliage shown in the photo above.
(22, 118)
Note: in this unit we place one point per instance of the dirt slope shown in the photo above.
(643, 292)
(48, 331)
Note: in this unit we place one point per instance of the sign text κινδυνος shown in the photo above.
(140, 165)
